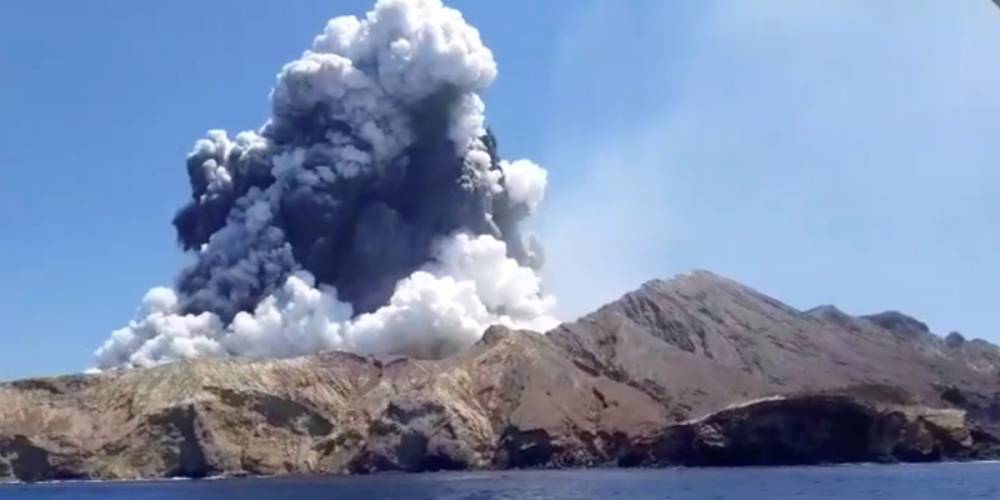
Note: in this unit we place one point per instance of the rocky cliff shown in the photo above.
(694, 371)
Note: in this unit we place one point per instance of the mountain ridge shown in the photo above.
(694, 370)
(701, 321)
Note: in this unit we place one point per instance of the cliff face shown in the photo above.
(669, 374)
(814, 429)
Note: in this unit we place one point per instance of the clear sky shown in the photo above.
(843, 152)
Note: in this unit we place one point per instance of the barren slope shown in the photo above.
(683, 371)
(699, 342)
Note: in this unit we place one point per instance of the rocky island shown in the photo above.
(696, 370)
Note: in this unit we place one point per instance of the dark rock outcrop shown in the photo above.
(694, 371)
(899, 323)
(816, 429)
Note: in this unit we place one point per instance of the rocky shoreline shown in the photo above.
(697, 371)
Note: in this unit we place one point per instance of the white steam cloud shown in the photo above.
(433, 313)
(349, 118)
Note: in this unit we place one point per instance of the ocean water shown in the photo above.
(910, 482)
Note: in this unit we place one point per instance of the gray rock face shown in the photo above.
(694, 371)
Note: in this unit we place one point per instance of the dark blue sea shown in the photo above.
(910, 482)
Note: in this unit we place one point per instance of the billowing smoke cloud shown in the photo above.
(370, 213)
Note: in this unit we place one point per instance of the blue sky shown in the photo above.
(837, 152)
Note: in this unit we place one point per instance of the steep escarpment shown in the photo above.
(697, 370)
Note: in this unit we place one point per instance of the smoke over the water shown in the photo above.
(370, 213)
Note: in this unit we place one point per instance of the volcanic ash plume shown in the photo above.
(370, 213)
